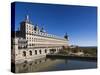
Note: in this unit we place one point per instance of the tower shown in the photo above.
(27, 30)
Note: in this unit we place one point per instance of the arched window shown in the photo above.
(24, 53)
(36, 52)
(40, 51)
(30, 52)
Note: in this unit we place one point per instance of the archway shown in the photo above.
(40, 51)
(24, 53)
(36, 52)
(30, 52)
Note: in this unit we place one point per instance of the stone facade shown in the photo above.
(32, 42)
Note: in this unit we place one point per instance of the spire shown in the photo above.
(27, 18)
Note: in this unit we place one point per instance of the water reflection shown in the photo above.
(53, 65)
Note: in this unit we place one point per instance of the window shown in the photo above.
(40, 61)
(24, 47)
(30, 52)
(24, 53)
(35, 62)
(29, 44)
(26, 31)
(36, 52)
(40, 51)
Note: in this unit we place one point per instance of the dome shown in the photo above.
(36, 28)
(42, 30)
(66, 36)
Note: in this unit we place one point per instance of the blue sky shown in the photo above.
(80, 22)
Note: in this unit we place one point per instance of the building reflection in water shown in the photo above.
(46, 64)
(36, 66)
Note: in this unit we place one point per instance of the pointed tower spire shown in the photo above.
(27, 18)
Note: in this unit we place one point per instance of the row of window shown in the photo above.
(22, 47)
(29, 27)
(23, 42)
(44, 45)
(30, 52)
(44, 40)
(31, 32)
